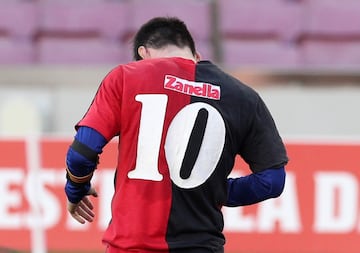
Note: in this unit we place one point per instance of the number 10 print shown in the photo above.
(197, 126)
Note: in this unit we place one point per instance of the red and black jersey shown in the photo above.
(180, 126)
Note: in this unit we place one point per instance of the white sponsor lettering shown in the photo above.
(10, 181)
(49, 205)
(335, 209)
(199, 89)
(16, 194)
(336, 202)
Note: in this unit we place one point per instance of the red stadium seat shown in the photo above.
(263, 19)
(106, 18)
(83, 32)
(331, 33)
(336, 53)
(259, 53)
(332, 18)
(14, 51)
(18, 18)
(79, 51)
(260, 32)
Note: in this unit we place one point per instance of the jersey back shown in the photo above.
(180, 126)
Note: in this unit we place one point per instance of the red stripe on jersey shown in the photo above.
(132, 101)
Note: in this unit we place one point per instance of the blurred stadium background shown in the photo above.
(302, 56)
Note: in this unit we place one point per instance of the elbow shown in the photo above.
(278, 183)
(271, 182)
(276, 192)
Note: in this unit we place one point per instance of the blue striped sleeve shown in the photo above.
(255, 187)
(79, 165)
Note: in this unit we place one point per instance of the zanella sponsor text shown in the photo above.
(199, 89)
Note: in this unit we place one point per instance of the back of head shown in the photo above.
(160, 32)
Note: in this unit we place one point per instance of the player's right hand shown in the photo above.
(83, 210)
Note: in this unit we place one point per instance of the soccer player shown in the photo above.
(181, 122)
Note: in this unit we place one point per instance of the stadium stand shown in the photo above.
(18, 21)
(78, 51)
(259, 53)
(276, 19)
(16, 51)
(329, 18)
(18, 18)
(331, 33)
(284, 33)
(108, 19)
(260, 32)
(77, 33)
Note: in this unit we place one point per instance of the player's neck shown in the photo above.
(173, 51)
(186, 54)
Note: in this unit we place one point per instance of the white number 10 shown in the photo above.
(177, 139)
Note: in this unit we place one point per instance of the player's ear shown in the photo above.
(197, 56)
(143, 52)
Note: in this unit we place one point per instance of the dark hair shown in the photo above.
(162, 31)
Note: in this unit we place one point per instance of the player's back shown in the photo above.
(175, 153)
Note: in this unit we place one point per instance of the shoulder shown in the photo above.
(114, 74)
(157, 66)
(231, 86)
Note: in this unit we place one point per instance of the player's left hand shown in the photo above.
(83, 211)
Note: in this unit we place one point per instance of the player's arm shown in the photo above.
(265, 153)
(255, 187)
(81, 161)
